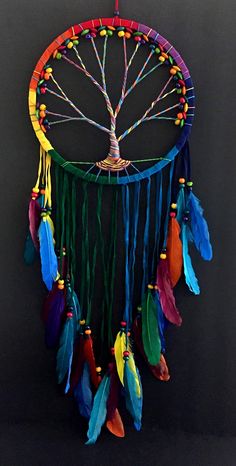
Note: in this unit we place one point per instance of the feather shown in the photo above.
(150, 333)
(120, 347)
(34, 221)
(189, 273)
(77, 363)
(29, 250)
(48, 302)
(115, 425)
(174, 251)
(99, 410)
(199, 227)
(166, 294)
(83, 393)
(162, 322)
(181, 204)
(90, 359)
(47, 254)
(133, 399)
(115, 390)
(160, 371)
(65, 350)
(67, 384)
(54, 319)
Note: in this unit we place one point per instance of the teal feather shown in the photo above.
(30, 252)
(134, 403)
(199, 227)
(47, 254)
(181, 204)
(83, 393)
(65, 349)
(189, 273)
(99, 410)
(150, 332)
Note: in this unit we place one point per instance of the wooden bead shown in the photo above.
(176, 68)
(58, 56)
(137, 38)
(98, 369)
(61, 282)
(121, 34)
(109, 33)
(82, 322)
(111, 28)
(84, 32)
(173, 205)
(145, 38)
(76, 42)
(48, 70)
(165, 55)
(150, 287)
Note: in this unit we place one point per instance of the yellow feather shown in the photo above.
(120, 347)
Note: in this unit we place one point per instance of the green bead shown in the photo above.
(41, 82)
(120, 28)
(84, 32)
(182, 123)
(179, 91)
(179, 74)
(109, 33)
(171, 60)
(58, 56)
(157, 50)
(75, 42)
(37, 114)
(190, 183)
(137, 33)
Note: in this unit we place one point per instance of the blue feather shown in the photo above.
(99, 410)
(67, 387)
(181, 204)
(83, 393)
(47, 254)
(189, 273)
(30, 252)
(199, 227)
(162, 322)
(134, 403)
(65, 349)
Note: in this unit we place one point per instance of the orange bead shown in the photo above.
(184, 90)
(42, 113)
(43, 129)
(127, 35)
(60, 287)
(181, 180)
(46, 76)
(173, 71)
(165, 55)
(145, 38)
(88, 332)
(180, 116)
(98, 369)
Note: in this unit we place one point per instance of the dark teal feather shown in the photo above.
(181, 204)
(83, 393)
(134, 403)
(150, 331)
(199, 227)
(99, 410)
(47, 254)
(65, 349)
(189, 273)
(30, 252)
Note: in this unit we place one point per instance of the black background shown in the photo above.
(201, 396)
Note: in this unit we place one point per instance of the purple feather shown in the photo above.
(54, 319)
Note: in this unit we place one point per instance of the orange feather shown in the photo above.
(115, 425)
(174, 251)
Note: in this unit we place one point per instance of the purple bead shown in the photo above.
(64, 52)
(181, 107)
(88, 36)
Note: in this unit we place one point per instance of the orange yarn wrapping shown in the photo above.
(174, 251)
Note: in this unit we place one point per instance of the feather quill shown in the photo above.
(189, 273)
(99, 410)
(166, 294)
(47, 254)
(199, 227)
(83, 393)
(150, 332)
(174, 251)
(133, 399)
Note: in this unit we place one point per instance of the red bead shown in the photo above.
(69, 314)
(182, 100)
(123, 323)
(126, 353)
(172, 214)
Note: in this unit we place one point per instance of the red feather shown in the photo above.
(160, 371)
(115, 425)
(90, 359)
(34, 221)
(174, 251)
(48, 302)
(167, 298)
(77, 363)
(115, 389)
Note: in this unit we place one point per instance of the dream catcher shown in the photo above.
(123, 223)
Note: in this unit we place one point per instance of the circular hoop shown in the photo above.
(150, 34)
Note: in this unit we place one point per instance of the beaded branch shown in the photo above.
(84, 255)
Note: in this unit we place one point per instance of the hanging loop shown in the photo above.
(116, 11)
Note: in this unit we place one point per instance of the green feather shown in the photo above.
(150, 332)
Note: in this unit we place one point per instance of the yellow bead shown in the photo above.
(162, 59)
(176, 68)
(35, 190)
(70, 45)
(163, 255)
(98, 369)
(82, 322)
(61, 282)
(150, 287)
(177, 122)
(173, 205)
(185, 107)
(42, 107)
(103, 32)
(48, 70)
(121, 33)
